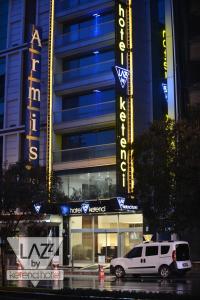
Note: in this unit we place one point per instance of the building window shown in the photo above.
(93, 104)
(88, 139)
(24, 86)
(91, 98)
(90, 185)
(30, 17)
(85, 61)
(2, 90)
(3, 23)
(89, 28)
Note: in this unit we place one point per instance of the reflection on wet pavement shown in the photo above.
(155, 285)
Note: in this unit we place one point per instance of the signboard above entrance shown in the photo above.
(117, 204)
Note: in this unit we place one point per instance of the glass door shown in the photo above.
(127, 240)
(106, 244)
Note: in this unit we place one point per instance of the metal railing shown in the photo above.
(83, 153)
(85, 33)
(82, 72)
(83, 112)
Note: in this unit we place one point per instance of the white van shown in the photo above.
(161, 258)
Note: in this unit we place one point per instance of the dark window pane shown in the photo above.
(88, 99)
(182, 252)
(164, 249)
(2, 89)
(1, 149)
(87, 60)
(88, 139)
(3, 23)
(151, 250)
(30, 14)
(135, 252)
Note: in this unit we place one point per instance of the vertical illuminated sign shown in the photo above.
(121, 75)
(33, 95)
(164, 63)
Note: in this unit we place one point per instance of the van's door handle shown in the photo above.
(144, 260)
(141, 260)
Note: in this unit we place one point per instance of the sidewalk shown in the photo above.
(75, 271)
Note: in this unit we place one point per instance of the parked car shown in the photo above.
(161, 258)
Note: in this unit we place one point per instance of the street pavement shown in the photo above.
(189, 285)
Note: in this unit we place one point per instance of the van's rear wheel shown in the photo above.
(164, 271)
(119, 272)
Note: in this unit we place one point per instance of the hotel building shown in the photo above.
(74, 92)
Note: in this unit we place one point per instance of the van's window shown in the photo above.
(182, 252)
(135, 252)
(151, 250)
(165, 249)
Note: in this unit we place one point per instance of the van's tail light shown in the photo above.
(174, 255)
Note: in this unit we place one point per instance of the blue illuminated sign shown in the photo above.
(32, 120)
(165, 90)
(37, 207)
(64, 210)
(98, 207)
(122, 75)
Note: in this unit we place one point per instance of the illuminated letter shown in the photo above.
(123, 166)
(36, 36)
(123, 154)
(122, 34)
(33, 153)
(33, 122)
(121, 22)
(123, 116)
(121, 11)
(34, 62)
(123, 181)
(122, 46)
(164, 33)
(164, 43)
(122, 104)
(122, 58)
(34, 94)
(123, 129)
(123, 143)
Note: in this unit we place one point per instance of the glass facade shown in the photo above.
(159, 60)
(91, 98)
(63, 4)
(2, 90)
(93, 104)
(84, 61)
(1, 152)
(86, 145)
(30, 17)
(89, 185)
(3, 23)
(104, 235)
(87, 66)
(87, 139)
(91, 22)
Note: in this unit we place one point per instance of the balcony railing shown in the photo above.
(80, 73)
(85, 153)
(61, 5)
(84, 34)
(84, 112)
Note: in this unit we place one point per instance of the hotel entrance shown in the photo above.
(103, 235)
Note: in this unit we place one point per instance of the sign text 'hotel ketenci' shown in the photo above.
(32, 121)
(121, 77)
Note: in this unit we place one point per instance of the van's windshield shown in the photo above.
(182, 252)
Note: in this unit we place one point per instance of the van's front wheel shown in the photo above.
(164, 271)
(119, 272)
